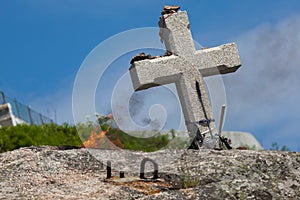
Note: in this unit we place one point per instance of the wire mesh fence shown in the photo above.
(24, 112)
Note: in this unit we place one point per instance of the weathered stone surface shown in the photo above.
(186, 67)
(49, 173)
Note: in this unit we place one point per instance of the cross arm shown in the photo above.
(153, 72)
(218, 60)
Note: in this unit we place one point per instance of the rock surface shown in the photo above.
(53, 173)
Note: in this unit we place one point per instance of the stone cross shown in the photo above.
(186, 67)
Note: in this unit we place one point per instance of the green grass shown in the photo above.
(49, 134)
(141, 144)
(59, 135)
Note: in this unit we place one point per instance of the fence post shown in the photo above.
(29, 114)
(2, 97)
(17, 108)
(42, 121)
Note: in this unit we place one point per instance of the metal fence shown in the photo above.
(24, 112)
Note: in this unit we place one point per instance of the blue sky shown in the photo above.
(43, 44)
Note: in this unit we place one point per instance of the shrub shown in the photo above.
(26, 135)
(59, 135)
(276, 147)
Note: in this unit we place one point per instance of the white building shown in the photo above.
(7, 117)
(12, 113)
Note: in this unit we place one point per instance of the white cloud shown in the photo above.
(264, 95)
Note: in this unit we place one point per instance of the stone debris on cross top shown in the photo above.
(143, 56)
(185, 66)
(170, 9)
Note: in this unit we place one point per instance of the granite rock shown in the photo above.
(51, 173)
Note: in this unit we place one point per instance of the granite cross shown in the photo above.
(186, 67)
